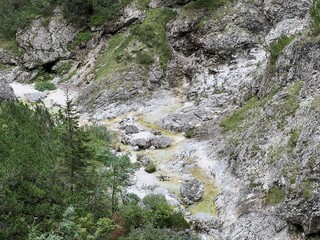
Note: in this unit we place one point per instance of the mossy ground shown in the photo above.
(275, 195)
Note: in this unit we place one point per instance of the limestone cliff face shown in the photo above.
(258, 107)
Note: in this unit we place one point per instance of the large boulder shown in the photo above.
(161, 142)
(192, 191)
(6, 91)
(131, 129)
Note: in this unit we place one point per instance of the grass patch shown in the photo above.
(210, 5)
(315, 15)
(153, 34)
(277, 47)
(307, 189)
(42, 86)
(292, 102)
(190, 133)
(231, 123)
(83, 37)
(275, 195)
(144, 58)
(149, 36)
(294, 136)
(150, 167)
(113, 58)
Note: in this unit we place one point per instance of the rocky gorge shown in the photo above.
(223, 100)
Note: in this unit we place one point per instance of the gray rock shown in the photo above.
(131, 129)
(192, 191)
(46, 43)
(6, 91)
(35, 96)
(205, 223)
(161, 142)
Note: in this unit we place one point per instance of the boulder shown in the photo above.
(142, 139)
(204, 223)
(6, 91)
(35, 96)
(161, 142)
(131, 129)
(192, 191)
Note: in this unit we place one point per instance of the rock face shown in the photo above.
(192, 191)
(46, 42)
(6, 91)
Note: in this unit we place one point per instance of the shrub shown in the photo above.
(275, 195)
(277, 47)
(315, 15)
(83, 37)
(150, 167)
(190, 133)
(144, 58)
(42, 86)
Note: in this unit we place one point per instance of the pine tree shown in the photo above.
(74, 151)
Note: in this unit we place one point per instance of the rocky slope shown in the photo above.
(240, 75)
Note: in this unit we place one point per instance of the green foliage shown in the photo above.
(152, 33)
(230, 123)
(17, 14)
(315, 15)
(294, 137)
(275, 195)
(54, 185)
(92, 12)
(144, 58)
(152, 233)
(156, 212)
(150, 167)
(307, 189)
(83, 37)
(190, 133)
(210, 5)
(277, 47)
(42, 86)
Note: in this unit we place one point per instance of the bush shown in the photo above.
(277, 47)
(150, 167)
(190, 133)
(42, 86)
(144, 58)
(275, 195)
(315, 15)
(83, 37)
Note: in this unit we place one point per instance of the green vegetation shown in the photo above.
(150, 167)
(61, 181)
(231, 123)
(315, 15)
(83, 37)
(277, 47)
(18, 14)
(190, 133)
(152, 33)
(294, 137)
(42, 86)
(144, 58)
(275, 195)
(292, 102)
(307, 189)
(137, 45)
(207, 4)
